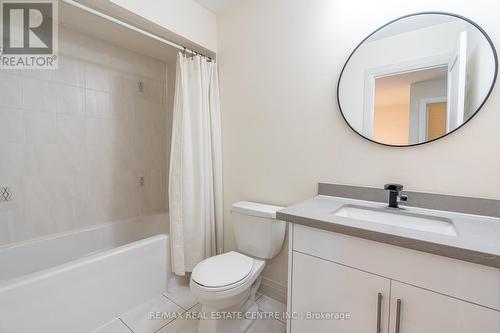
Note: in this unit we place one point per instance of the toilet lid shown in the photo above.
(222, 270)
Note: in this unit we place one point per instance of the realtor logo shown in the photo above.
(29, 34)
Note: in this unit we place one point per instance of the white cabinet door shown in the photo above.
(321, 287)
(423, 311)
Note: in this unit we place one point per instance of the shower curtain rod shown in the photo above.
(133, 28)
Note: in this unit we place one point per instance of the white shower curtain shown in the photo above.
(195, 177)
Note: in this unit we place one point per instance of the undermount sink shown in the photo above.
(388, 216)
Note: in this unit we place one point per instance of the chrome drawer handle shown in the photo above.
(379, 312)
(398, 316)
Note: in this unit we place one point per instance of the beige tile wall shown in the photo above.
(74, 142)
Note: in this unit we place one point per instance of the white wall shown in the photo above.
(186, 18)
(479, 66)
(282, 130)
(74, 142)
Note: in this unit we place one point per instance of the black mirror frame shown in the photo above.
(403, 17)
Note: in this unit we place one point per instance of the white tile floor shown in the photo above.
(180, 300)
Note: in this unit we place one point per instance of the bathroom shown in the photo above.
(289, 217)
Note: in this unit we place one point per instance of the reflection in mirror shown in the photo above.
(398, 96)
(417, 79)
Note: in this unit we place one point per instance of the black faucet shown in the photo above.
(395, 195)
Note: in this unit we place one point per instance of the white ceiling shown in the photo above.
(98, 27)
(217, 6)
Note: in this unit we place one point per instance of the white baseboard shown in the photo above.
(273, 289)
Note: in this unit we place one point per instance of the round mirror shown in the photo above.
(417, 79)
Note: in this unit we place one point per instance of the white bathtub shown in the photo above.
(77, 281)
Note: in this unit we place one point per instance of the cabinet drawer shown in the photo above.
(464, 280)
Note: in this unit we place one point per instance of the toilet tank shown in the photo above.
(258, 233)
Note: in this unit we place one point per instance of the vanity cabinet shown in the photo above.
(322, 287)
(425, 311)
(335, 273)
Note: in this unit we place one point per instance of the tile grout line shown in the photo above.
(281, 321)
(170, 322)
(193, 306)
(184, 311)
(174, 302)
(164, 326)
(126, 325)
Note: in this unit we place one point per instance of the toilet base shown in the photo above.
(212, 324)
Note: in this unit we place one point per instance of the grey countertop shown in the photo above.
(477, 239)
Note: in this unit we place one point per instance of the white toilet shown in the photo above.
(227, 283)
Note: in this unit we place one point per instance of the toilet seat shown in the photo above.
(224, 271)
